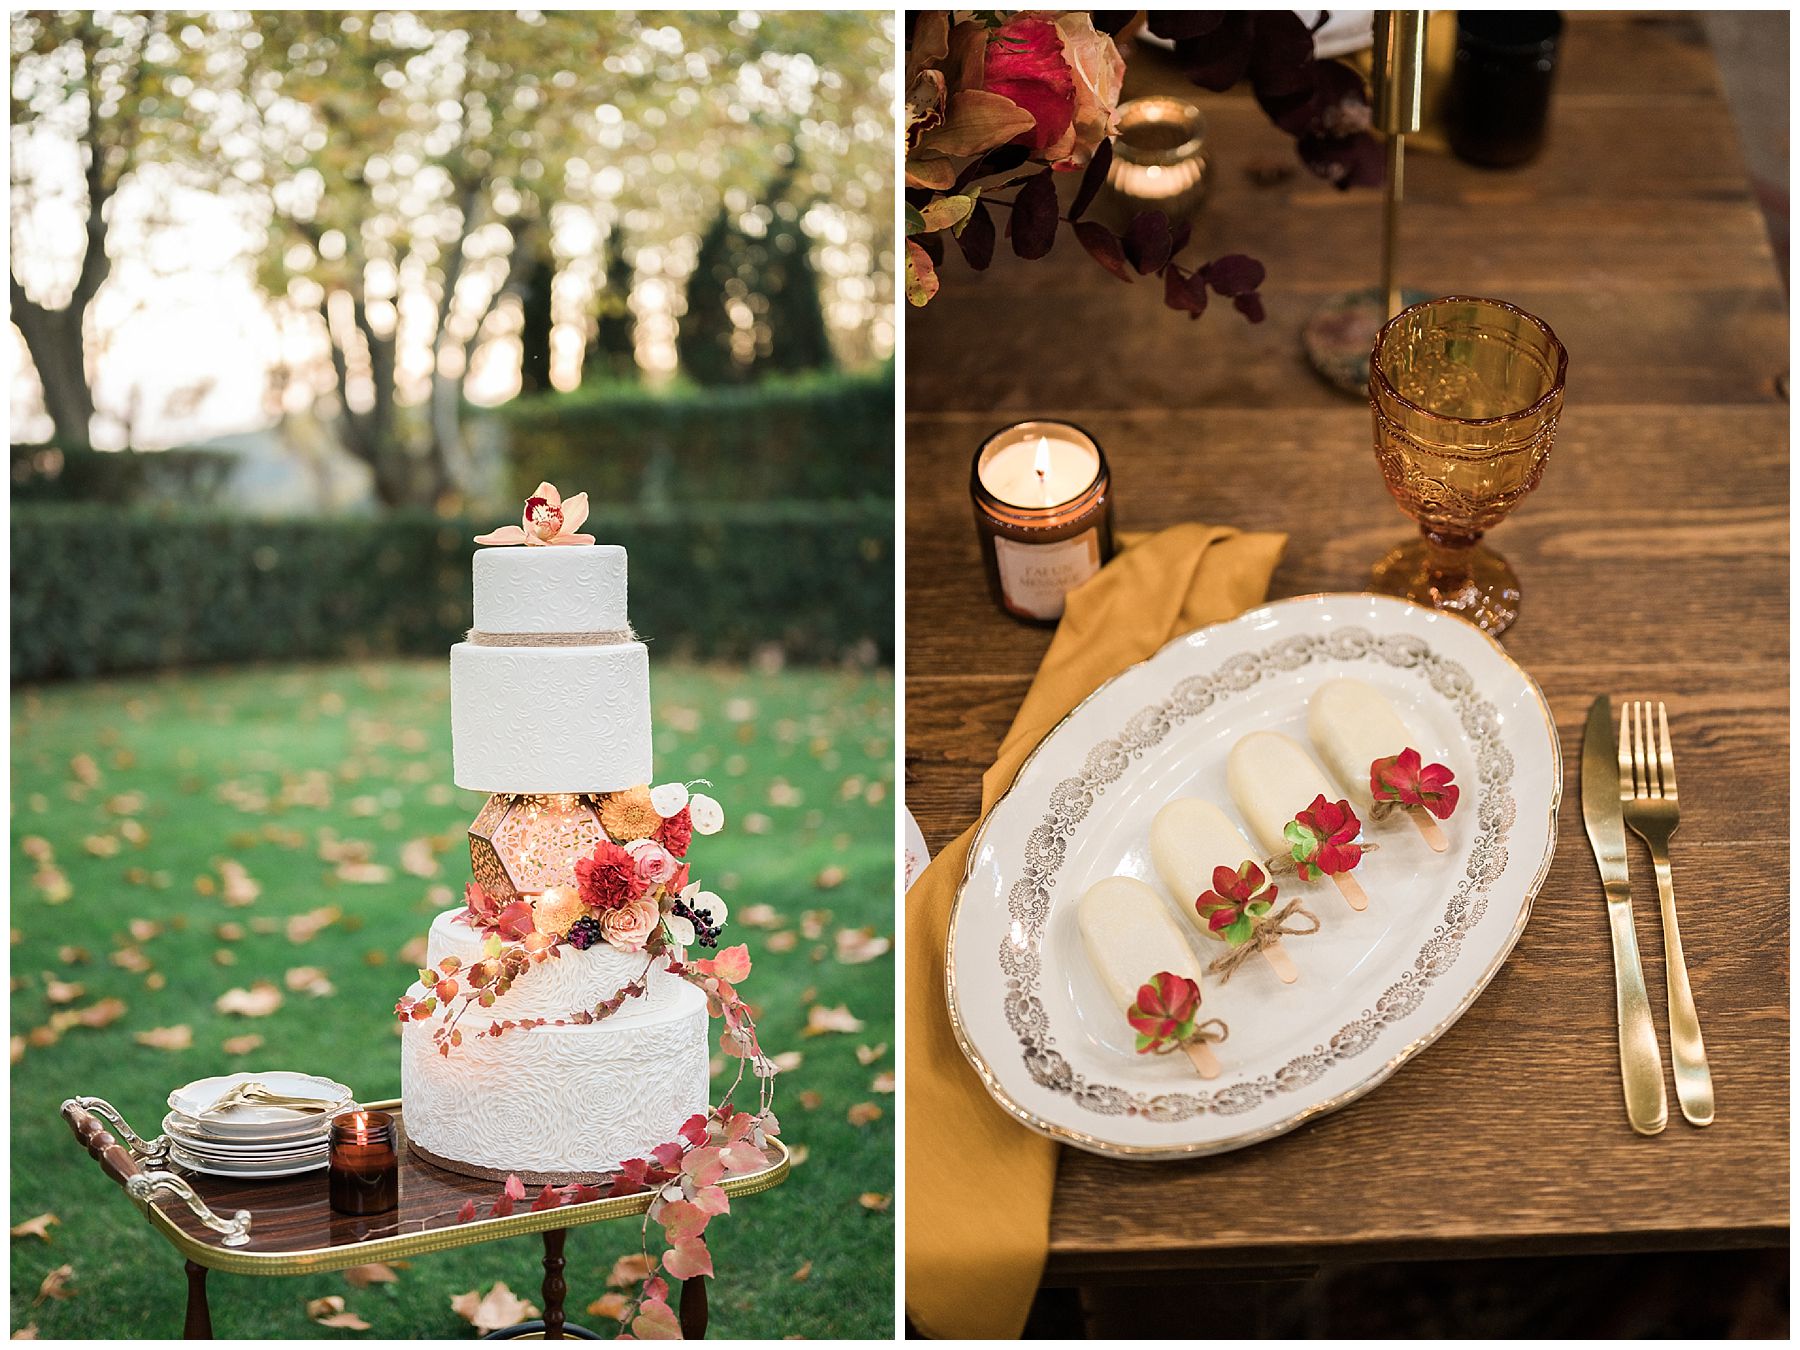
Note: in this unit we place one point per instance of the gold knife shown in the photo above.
(1640, 1058)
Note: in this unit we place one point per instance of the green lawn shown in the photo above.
(157, 796)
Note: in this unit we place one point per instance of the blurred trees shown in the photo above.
(435, 188)
(753, 301)
(111, 89)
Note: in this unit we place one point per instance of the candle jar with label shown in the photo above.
(364, 1161)
(1043, 511)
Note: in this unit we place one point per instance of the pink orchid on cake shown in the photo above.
(547, 519)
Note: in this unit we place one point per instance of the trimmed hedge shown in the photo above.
(61, 473)
(97, 591)
(806, 438)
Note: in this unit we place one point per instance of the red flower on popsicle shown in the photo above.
(1164, 1013)
(1235, 902)
(1405, 778)
(1322, 839)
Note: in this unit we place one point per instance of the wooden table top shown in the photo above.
(1653, 561)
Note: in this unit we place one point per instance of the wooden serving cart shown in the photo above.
(285, 1226)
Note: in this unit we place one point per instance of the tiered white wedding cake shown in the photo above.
(551, 1033)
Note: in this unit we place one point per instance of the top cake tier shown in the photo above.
(550, 693)
(568, 589)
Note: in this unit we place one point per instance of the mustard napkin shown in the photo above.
(978, 1184)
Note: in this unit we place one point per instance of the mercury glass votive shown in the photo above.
(1159, 160)
(364, 1163)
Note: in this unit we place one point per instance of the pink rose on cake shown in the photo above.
(630, 925)
(608, 879)
(547, 519)
(655, 864)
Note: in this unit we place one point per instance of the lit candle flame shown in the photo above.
(1041, 462)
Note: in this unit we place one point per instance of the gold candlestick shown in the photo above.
(1340, 333)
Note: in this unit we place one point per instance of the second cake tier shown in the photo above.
(550, 719)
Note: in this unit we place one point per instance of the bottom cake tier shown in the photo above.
(556, 1103)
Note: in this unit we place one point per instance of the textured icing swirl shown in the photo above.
(570, 588)
(572, 982)
(559, 1099)
(550, 719)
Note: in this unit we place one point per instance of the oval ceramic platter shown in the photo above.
(1374, 988)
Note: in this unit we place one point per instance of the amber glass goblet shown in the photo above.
(1466, 394)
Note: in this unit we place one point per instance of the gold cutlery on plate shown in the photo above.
(1647, 793)
(257, 1094)
(1602, 809)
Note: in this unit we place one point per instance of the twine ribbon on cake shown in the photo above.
(604, 637)
(1265, 933)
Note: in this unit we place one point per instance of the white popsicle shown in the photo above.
(1272, 780)
(1352, 726)
(1130, 936)
(1188, 839)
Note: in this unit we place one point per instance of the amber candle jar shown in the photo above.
(1043, 512)
(364, 1163)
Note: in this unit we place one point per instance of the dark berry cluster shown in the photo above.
(706, 933)
(584, 933)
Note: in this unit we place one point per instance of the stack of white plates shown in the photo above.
(253, 1141)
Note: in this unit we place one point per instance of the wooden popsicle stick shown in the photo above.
(1206, 1063)
(1428, 826)
(1280, 962)
(1351, 889)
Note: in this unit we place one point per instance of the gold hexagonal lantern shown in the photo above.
(522, 843)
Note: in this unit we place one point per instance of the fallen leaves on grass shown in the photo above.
(609, 1305)
(868, 1054)
(884, 1081)
(855, 946)
(61, 991)
(241, 1045)
(820, 1020)
(863, 1113)
(364, 873)
(798, 1154)
(309, 980)
(759, 916)
(56, 1285)
(259, 1000)
(38, 1227)
(102, 1013)
(780, 942)
(788, 1060)
(418, 858)
(830, 877)
(166, 1038)
(37, 848)
(875, 1200)
(812, 924)
(28, 1332)
(130, 958)
(498, 1309)
(239, 887)
(629, 1270)
(810, 1100)
(330, 1312)
(803, 1274)
(375, 1272)
(102, 845)
(305, 927)
(142, 930)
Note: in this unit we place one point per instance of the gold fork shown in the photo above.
(1647, 793)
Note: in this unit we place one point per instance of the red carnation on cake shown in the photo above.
(676, 833)
(609, 878)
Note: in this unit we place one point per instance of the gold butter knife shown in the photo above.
(1640, 1059)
